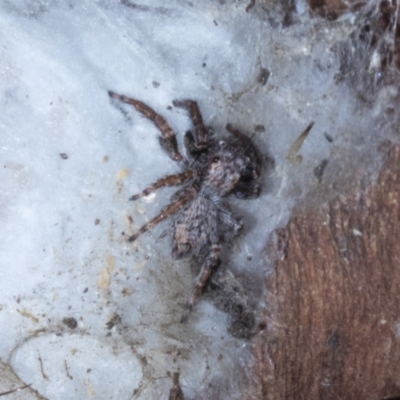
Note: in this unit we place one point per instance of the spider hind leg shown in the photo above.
(211, 261)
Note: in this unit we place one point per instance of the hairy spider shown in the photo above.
(213, 170)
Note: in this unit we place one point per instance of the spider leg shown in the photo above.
(210, 262)
(227, 218)
(166, 212)
(167, 139)
(236, 132)
(201, 131)
(190, 144)
(170, 180)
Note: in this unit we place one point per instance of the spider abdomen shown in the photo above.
(195, 227)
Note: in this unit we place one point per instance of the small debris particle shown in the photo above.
(64, 156)
(139, 266)
(262, 326)
(27, 314)
(114, 320)
(250, 5)
(42, 369)
(319, 169)
(263, 76)
(328, 137)
(156, 84)
(85, 290)
(103, 280)
(122, 174)
(96, 221)
(259, 128)
(126, 292)
(292, 156)
(70, 322)
(90, 390)
(105, 159)
(67, 370)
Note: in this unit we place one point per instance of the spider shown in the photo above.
(212, 171)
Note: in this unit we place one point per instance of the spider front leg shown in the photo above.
(167, 139)
(209, 264)
(170, 180)
(201, 132)
(191, 145)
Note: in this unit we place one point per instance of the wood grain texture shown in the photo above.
(333, 301)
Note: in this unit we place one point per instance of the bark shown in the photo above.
(333, 300)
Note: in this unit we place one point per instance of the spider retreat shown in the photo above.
(212, 171)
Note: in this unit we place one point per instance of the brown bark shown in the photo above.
(333, 300)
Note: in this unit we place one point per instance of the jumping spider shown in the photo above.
(213, 170)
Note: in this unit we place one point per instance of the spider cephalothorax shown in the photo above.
(213, 170)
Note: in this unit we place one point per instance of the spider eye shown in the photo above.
(216, 159)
